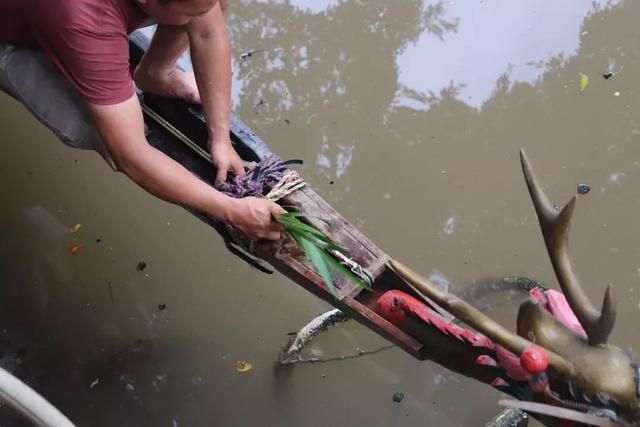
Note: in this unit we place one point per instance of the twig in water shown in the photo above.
(245, 56)
(110, 292)
(299, 359)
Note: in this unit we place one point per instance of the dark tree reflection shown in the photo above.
(334, 73)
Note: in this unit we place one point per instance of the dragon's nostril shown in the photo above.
(396, 301)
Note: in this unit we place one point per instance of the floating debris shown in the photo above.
(110, 292)
(607, 76)
(245, 56)
(162, 307)
(75, 227)
(75, 248)
(509, 417)
(397, 397)
(617, 93)
(318, 324)
(94, 383)
(583, 188)
(449, 226)
(242, 366)
(615, 177)
(583, 81)
(298, 340)
(141, 266)
(98, 240)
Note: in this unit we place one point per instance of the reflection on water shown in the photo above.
(493, 38)
(309, 61)
(375, 96)
(474, 45)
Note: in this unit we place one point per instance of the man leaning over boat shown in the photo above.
(67, 61)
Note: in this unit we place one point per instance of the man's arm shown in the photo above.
(122, 129)
(211, 57)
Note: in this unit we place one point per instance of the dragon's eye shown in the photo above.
(396, 301)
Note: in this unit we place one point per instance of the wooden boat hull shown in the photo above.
(285, 257)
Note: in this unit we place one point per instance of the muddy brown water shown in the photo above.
(409, 116)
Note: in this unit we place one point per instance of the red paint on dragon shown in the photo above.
(395, 306)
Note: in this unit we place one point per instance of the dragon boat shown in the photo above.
(558, 366)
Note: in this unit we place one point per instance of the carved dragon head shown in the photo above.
(602, 376)
(585, 373)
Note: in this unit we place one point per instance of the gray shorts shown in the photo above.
(30, 77)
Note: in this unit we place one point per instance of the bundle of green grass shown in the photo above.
(317, 247)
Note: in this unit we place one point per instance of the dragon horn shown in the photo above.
(555, 223)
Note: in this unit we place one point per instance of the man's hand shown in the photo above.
(122, 130)
(254, 217)
(225, 158)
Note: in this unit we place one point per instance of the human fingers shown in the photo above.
(237, 166)
(221, 174)
(275, 226)
(275, 208)
(273, 235)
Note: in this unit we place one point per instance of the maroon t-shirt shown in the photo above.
(86, 39)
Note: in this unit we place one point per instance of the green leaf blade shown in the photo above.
(317, 246)
(315, 255)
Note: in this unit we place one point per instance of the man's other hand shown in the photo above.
(254, 217)
(225, 158)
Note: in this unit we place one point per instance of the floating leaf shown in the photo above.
(75, 227)
(242, 366)
(75, 248)
(583, 81)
